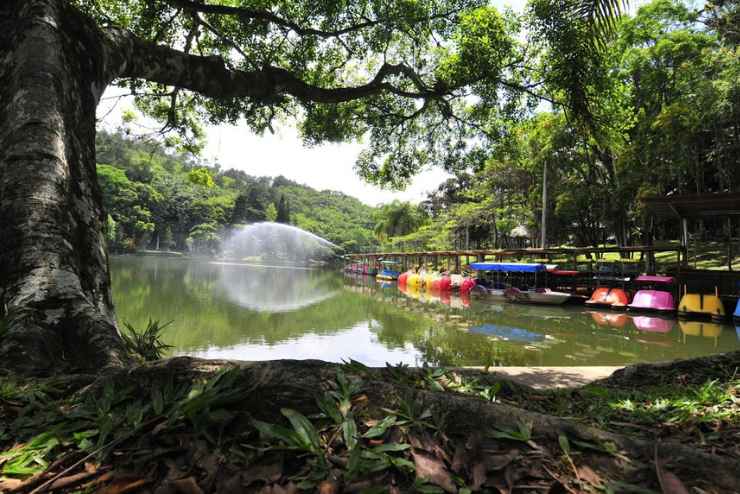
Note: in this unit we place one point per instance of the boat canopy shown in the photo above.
(504, 267)
(658, 280)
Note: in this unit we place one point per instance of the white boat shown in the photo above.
(537, 296)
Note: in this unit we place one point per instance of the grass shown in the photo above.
(146, 345)
(706, 415)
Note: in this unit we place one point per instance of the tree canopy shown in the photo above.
(657, 113)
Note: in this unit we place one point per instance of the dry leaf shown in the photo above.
(268, 471)
(460, 458)
(328, 487)
(478, 472)
(586, 473)
(670, 484)
(499, 462)
(123, 485)
(7, 484)
(432, 469)
(187, 486)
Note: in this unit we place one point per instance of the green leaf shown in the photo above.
(390, 447)
(403, 464)
(304, 429)
(380, 428)
(278, 432)
(349, 432)
(564, 444)
(329, 407)
(157, 400)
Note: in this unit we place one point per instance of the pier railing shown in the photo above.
(571, 255)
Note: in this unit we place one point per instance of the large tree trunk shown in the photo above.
(54, 281)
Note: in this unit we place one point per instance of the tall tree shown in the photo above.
(355, 68)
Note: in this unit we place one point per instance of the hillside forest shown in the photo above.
(664, 111)
(160, 200)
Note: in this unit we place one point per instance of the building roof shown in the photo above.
(694, 205)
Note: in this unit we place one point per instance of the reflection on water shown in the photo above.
(255, 313)
(273, 288)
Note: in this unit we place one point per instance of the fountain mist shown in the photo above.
(268, 243)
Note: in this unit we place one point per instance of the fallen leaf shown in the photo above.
(328, 487)
(7, 484)
(187, 486)
(586, 473)
(289, 488)
(123, 485)
(267, 471)
(426, 442)
(670, 484)
(499, 462)
(478, 472)
(460, 458)
(432, 469)
(230, 484)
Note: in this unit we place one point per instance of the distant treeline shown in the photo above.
(156, 199)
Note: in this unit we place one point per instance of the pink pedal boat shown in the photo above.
(652, 299)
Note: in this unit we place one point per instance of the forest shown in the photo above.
(162, 200)
(664, 118)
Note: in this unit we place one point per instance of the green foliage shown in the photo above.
(158, 199)
(146, 344)
(271, 213)
(202, 177)
(650, 112)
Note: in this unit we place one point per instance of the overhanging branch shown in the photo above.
(272, 18)
(209, 76)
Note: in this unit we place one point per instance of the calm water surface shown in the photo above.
(222, 310)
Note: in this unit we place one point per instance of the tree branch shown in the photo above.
(209, 76)
(267, 16)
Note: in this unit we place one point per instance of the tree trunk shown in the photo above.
(54, 281)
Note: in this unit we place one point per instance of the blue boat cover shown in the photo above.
(508, 332)
(737, 310)
(389, 273)
(504, 267)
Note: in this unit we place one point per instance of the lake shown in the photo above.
(237, 311)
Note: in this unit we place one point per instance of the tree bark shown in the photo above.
(54, 281)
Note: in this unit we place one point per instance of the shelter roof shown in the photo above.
(694, 205)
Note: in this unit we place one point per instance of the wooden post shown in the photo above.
(544, 207)
(729, 243)
(685, 239)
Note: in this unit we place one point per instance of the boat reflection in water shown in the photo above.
(652, 324)
(507, 333)
(454, 300)
(612, 319)
(700, 328)
(545, 335)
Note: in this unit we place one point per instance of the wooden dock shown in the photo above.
(643, 255)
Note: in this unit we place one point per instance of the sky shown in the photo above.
(329, 166)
